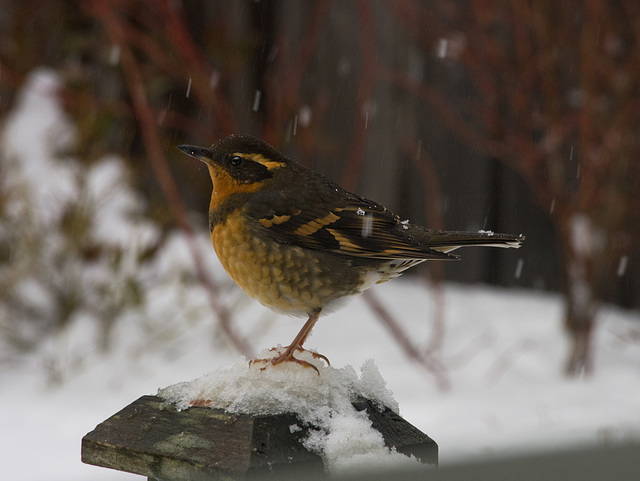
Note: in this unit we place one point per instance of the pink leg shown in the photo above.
(298, 341)
(296, 345)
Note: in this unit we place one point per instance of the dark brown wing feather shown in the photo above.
(343, 224)
(446, 241)
(321, 215)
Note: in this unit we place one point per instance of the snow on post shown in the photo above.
(246, 417)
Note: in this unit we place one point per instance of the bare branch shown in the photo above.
(148, 126)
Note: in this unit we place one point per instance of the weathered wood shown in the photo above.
(399, 433)
(150, 437)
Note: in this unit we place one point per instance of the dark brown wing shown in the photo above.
(334, 220)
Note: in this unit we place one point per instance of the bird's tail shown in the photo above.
(447, 241)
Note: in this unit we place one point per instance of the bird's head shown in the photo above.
(239, 163)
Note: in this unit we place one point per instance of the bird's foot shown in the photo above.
(287, 356)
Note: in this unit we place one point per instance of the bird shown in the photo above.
(300, 244)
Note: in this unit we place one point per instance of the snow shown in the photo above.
(367, 226)
(256, 100)
(585, 237)
(441, 49)
(305, 116)
(519, 266)
(622, 266)
(587, 242)
(342, 435)
(502, 350)
(34, 129)
(261, 388)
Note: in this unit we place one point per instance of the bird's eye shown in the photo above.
(235, 160)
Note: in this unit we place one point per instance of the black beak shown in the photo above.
(201, 153)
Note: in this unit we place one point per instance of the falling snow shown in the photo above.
(304, 116)
(519, 266)
(441, 50)
(114, 55)
(256, 100)
(214, 80)
(367, 226)
(622, 266)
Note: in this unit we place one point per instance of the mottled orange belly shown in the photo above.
(280, 276)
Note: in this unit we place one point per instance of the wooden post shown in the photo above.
(150, 437)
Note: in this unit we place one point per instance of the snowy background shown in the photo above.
(503, 350)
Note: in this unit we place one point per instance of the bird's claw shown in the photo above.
(288, 356)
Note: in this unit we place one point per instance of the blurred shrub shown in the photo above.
(76, 250)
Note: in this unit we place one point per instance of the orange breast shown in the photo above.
(284, 278)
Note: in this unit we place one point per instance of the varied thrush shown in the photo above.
(300, 244)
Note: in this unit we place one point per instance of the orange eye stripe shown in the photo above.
(261, 159)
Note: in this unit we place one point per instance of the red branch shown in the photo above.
(431, 365)
(366, 86)
(435, 220)
(151, 138)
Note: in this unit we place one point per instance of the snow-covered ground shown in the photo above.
(503, 351)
